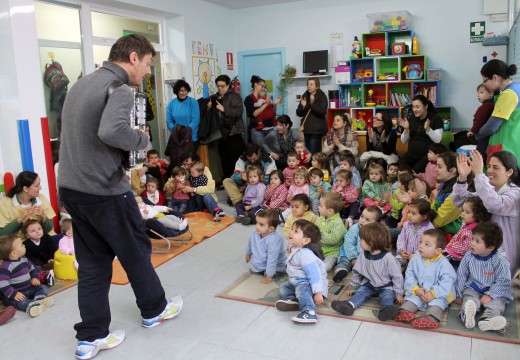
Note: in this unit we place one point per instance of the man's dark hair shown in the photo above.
(128, 44)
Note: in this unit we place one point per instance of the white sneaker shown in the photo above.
(470, 309)
(495, 323)
(183, 224)
(89, 349)
(172, 309)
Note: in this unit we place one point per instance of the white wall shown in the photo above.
(442, 28)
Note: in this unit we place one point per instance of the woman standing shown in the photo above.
(504, 124)
(340, 137)
(500, 194)
(381, 141)
(277, 144)
(229, 104)
(313, 111)
(24, 202)
(183, 110)
(260, 111)
(422, 127)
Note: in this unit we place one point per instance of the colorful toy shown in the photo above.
(413, 72)
(370, 98)
(369, 123)
(446, 125)
(415, 46)
(395, 124)
(398, 49)
(356, 49)
(368, 76)
(358, 75)
(360, 124)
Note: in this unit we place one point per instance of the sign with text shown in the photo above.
(476, 31)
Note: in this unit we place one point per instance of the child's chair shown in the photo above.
(64, 266)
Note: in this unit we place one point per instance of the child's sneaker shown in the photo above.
(468, 314)
(7, 314)
(495, 323)
(404, 316)
(305, 317)
(425, 322)
(183, 224)
(339, 274)
(172, 309)
(47, 302)
(343, 307)
(89, 349)
(35, 309)
(46, 277)
(238, 219)
(387, 313)
(246, 220)
(219, 213)
(287, 305)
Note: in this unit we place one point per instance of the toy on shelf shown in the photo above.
(358, 75)
(354, 101)
(413, 72)
(370, 98)
(398, 49)
(387, 76)
(359, 124)
(373, 52)
(415, 46)
(368, 76)
(446, 124)
(395, 124)
(369, 123)
(356, 49)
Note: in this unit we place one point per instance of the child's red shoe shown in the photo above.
(404, 316)
(425, 322)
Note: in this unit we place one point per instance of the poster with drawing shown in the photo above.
(204, 74)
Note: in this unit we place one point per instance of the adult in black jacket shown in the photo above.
(313, 111)
(380, 142)
(229, 103)
(422, 128)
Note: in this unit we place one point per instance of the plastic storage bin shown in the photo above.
(390, 21)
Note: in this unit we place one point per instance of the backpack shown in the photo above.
(54, 76)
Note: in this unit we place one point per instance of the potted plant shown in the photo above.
(286, 78)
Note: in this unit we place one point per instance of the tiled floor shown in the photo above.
(214, 328)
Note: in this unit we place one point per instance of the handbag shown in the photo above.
(302, 124)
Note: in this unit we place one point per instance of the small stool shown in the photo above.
(64, 266)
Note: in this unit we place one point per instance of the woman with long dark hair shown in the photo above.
(380, 141)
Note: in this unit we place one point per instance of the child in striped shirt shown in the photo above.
(376, 272)
(484, 280)
(420, 215)
(473, 213)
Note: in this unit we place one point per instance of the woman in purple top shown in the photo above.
(500, 194)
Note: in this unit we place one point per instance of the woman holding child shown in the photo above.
(504, 124)
(500, 194)
(340, 137)
(260, 110)
(24, 202)
(277, 144)
(421, 127)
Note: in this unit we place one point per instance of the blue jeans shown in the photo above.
(386, 296)
(344, 263)
(201, 202)
(301, 292)
(31, 295)
(180, 206)
(313, 143)
(257, 136)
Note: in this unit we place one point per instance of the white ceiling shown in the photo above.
(241, 4)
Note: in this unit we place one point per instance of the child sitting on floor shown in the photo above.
(331, 228)
(303, 154)
(321, 161)
(376, 191)
(420, 216)
(275, 196)
(299, 186)
(351, 247)
(153, 161)
(197, 177)
(398, 200)
(430, 173)
(292, 166)
(317, 188)
(265, 250)
(484, 280)
(300, 209)
(391, 173)
(429, 283)
(376, 272)
(156, 212)
(347, 161)
(473, 213)
(349, 194)
(308, 285)
(152, 192)
(19, 283)
(39, 245)
(180, 200)
(253, 196)
(66, 245)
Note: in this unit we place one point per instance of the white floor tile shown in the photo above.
(274, 334)
(484, 350)
(232, 354)
(381, 342)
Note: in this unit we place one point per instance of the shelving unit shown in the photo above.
(394, 79)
